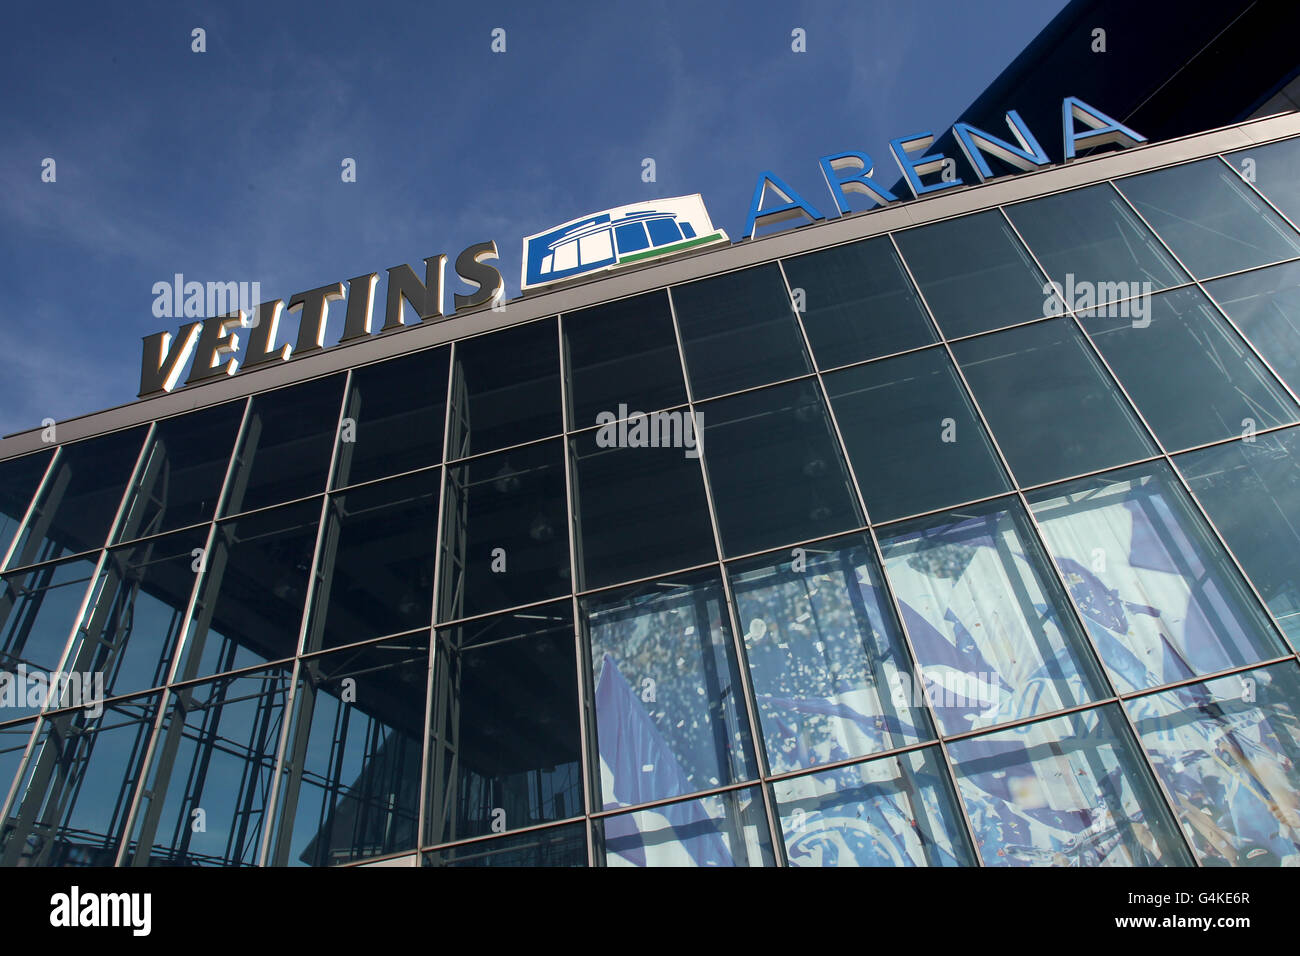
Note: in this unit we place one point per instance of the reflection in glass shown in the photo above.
(1209, 384)
(776, 469)
(974, 272)
(668, 708)
(989, 624)
(19, 479)
(857, 302)
(1053, 409)
(555, 846)
(1072, 791)
(1228, 752)
(504, 726)
(1265, 305)
(894, 811)
(1272, 169)
(351, 777)
(826, 657)
(212, 764)
(13, 742)
(912, 435)
(1251, 491)
(729, 829)
(1160, 599)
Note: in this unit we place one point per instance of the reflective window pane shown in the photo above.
(504, 733)
(912, 435)
(1251, 491)
(667, 702)
(182, 472)
(351, 781)
(894, 811)
(776, 469)
(78, 503)
(1272, 169)
(739, 330)
(287, 445)
(992, 632)
(729, 829)
(1228, 751)
(13, 744)
(19, 479)
(974, 272)
(857, 302)
(1160, 599)
(1053, 409)
(1212, 220)
(1265, 305)
(375, 570)
(213, 764)
(1191, 376)
(826, 656)
(1066, 792)
(505, 541)
(639, 510)
(393, 419)
(505, 389)
(555, 846)
(622, 353)
(1089, 241)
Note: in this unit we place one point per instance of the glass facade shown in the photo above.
(972, 544)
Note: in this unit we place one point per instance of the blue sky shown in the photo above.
(225, 165)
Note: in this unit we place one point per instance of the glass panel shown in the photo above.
(1228, 751)
(895, 811)
(638, 510)
(988, 621)
(622, 354)
(19, 479)
(375, 573)
(77, 506)
(351, 778)
(505, 542)
(1272, 169)
(1209, 385)
(182, 473)
(857, 302)
(912, 435)
(1066, 792)
(1212, 221)
(775, 468)
(13, 743)
(505, 389)
(287, 445)
(394, 416)
(85, 767)
(506, 747)
(1090, 242)
(827, 658)
(1159, 597)
(1265, 305)
(38, 612)
(729, 829)
(739, 330)
(250, 600)
(555, 846)
(134, 621)
(205, 802)
(974, 272)
(669, 718)
(1053, 409)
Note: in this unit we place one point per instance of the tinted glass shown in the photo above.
(638, 510)
(857, 303)
(739, 330)
(1053, 409)
(556, 846)
(1265, 306)
(1209, 386)
(394, 416)
(827, 659)
(19, 479)
(1272, 170)
(776, 469)
(1212, 220)
(505, 389)
(623, 353)
(729, 829)
(974, 272)
(912, 435)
